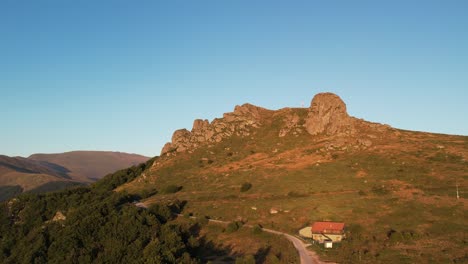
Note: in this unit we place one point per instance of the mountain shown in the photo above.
(48, 172)
(88, 166)
(395, 190)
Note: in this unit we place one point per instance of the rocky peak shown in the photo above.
(240, 123)
(245, 112)
(327, 114)
(200, 124)
(248, 110)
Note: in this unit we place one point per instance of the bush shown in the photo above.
(147, 193)
(171, 189)
(273, 259)
(246, 186)
(162, 212)
(203, 220)
(257, 229)
(234, 226)
(187, 215)
(296, 194)
(380, 190)
(401, 236)
(249, 259)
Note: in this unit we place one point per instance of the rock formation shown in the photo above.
(327, 114)
(240, 122)
(292, 124)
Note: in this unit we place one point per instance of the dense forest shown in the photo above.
(94, 225)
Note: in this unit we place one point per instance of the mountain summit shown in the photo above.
(326, 116)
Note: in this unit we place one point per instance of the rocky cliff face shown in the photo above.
(326, 116)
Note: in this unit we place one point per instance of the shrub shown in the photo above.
(296, 194)
(187, 215)
(171, 189)
(249, 259)
(162, 212)
(147, 193)
(273, 259)
(380, 190)
(203, 220)
(246, 186)
(234, 226)
(257, 229)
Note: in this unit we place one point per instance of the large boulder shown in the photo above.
(327, 115)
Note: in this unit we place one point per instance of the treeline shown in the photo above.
(93, 225)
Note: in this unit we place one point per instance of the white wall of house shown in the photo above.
(321, 238)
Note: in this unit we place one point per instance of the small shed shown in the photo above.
(328, 244)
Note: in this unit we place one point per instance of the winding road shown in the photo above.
(306, 256)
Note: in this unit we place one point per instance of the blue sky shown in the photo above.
(123, 75)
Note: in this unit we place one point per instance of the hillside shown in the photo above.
(19, 175)
(89, 166)
(95, 224)
(394, 189)
(49, 172)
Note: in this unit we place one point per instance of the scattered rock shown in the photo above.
(365, 142)
(291, 123)
(59, 216)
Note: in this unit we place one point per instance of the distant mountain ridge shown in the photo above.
(48, 172)
(89, 166)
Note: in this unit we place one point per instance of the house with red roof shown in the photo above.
(324, 232)
(327, 231)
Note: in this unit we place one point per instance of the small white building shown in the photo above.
(328, 244)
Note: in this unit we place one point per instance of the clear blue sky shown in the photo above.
(123, 75)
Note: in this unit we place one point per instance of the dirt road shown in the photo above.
(306, 256)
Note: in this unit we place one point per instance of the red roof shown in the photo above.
(327, 227)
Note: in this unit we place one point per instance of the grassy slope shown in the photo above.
(397, 197)
(220, 246)
(27, 181)
(50, 172)
(14, 183)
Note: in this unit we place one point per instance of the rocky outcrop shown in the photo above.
(327, 115)
(292, 125)
(240, 122)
